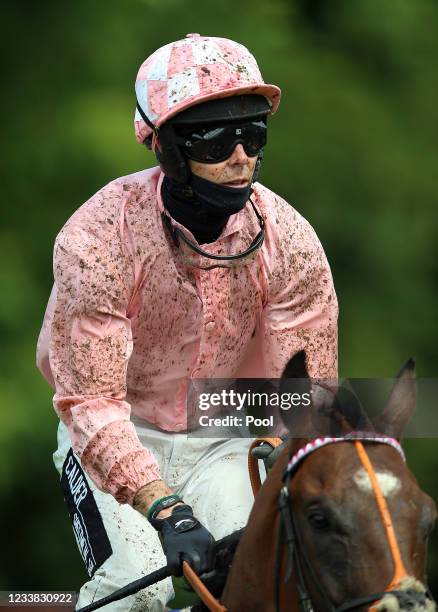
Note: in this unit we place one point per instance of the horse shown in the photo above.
(340, 522)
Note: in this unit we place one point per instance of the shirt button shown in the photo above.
(210, 325)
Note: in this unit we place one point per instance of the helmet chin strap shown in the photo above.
(146, 119)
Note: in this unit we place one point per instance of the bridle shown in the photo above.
(297, 558)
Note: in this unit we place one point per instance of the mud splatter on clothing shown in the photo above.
(131, 319)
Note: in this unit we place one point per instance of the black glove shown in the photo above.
(185, 539)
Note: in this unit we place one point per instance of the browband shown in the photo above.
(363, 436)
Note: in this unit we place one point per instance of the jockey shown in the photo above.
(187, 270)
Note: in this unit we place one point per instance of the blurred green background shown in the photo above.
(353, 147)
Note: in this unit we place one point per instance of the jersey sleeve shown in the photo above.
(91, 342)
(301, 309)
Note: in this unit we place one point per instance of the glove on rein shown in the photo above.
(185, 539)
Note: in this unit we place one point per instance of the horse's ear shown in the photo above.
(325, 408)
(295, 382)
(401, 403)
(296, 367)
(318, 413)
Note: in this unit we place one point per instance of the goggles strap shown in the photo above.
(147, 120)
(178, 235)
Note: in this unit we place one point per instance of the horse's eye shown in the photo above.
(318, 520)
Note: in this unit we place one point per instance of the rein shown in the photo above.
(296, 555)
(192, 578)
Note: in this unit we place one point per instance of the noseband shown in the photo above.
(296, 554)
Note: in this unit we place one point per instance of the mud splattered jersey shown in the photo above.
(133, 317)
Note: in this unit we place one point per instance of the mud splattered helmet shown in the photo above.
(199, 79)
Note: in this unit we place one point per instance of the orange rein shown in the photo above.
(197, 585)
(201, 590)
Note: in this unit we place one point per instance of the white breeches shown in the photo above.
(210, 474)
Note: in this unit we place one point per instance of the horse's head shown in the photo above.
(361, 521)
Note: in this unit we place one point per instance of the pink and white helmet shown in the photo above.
(193, 70)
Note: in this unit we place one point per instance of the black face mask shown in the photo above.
(219, 199)
(203, 207)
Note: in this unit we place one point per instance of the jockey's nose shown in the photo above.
(238, 156)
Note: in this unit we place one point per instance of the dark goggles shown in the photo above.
(211, 145)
